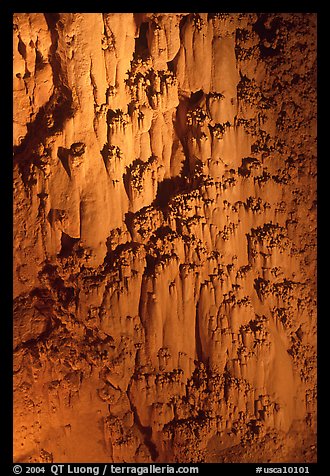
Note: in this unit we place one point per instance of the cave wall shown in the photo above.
(164, 237)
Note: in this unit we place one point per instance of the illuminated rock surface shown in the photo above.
(165, 237)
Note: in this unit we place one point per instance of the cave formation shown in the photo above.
(164, 237)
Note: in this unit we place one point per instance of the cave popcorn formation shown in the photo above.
(164, 237)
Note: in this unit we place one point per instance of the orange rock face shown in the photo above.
(164, 237)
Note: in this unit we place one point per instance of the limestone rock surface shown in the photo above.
(164, 237)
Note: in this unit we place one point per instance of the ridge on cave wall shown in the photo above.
(164, 237)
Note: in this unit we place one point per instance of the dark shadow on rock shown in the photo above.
(105, 155)
(196, 97)
(147, 432)
(141, 43)
(63, 155)
(67, 245)
(129, 217)
(267, 34)
(198, 338)
(167, 189)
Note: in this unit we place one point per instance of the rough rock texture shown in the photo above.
(164, 237)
